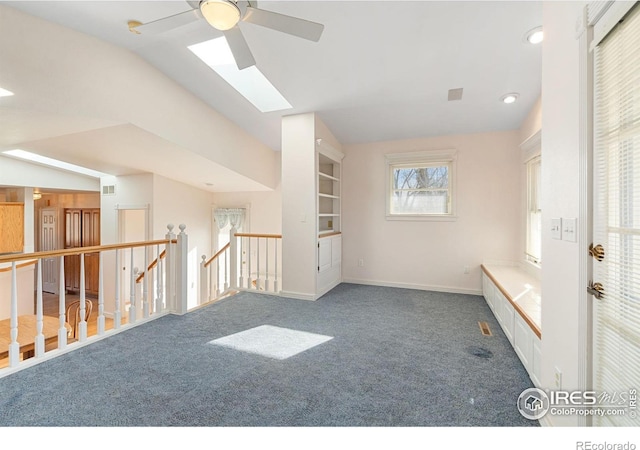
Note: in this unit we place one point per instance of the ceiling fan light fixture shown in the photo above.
(221, 14)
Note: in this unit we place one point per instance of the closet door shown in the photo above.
(72, 239)
(90, 238)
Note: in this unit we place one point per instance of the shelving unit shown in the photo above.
(328, 195)
(329, 170)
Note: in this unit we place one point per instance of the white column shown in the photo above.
(145, 284)
(159, 279)
(233, 259)
(170, 271)
(182, 284)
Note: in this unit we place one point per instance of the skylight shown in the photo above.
(5, 93)
(22, 154)
(249, 82)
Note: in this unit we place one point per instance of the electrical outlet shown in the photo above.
(558, 378)
(361, 262)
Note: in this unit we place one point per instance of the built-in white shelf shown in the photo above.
(320, 194)
(327, 176)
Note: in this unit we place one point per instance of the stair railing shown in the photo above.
(249, 262)
(167, 273)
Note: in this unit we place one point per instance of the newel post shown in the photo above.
(170, 270)
(233, 259)
(182, 281)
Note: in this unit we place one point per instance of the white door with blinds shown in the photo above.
(616, 222)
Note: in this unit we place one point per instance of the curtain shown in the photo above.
(232, 216)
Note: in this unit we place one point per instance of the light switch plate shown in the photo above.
(570, 230)
(556, 228)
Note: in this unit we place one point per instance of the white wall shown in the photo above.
(266, 207)
(560, 195)
(433, 255)
(298, 206)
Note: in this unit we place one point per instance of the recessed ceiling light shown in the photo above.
(249, 82)
(22, 154)
(5, 93)
(509, 98)
(534, 36)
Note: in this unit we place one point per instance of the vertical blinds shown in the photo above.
(617, 214)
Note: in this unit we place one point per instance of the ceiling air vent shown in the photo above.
(109, 190)
(455, 94)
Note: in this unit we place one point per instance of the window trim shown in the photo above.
(446, 157)
(535, 159)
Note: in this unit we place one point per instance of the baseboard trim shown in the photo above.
(298, 295)
(421, 287)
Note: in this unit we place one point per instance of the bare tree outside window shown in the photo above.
(420, 190)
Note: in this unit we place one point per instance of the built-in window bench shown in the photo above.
(513, 294)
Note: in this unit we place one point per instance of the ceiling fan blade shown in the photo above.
(286, 24)
(239, 48)
(169, 23)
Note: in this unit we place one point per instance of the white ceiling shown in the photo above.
(381, 70)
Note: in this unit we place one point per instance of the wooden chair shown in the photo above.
(73, 316)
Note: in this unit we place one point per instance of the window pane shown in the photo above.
(421, 178)
(420, 202)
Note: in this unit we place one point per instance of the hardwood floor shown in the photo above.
(50, 307)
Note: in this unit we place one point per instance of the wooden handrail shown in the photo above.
(19, 266)
(221, 251)
(152, 265)
(250, 235)
(81, 250)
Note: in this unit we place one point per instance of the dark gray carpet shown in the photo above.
(399, 357)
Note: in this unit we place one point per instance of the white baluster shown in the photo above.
(14, 347)
(82, 325)
(258, 275)
(215, 284)
(117, 315)
(241, 281)
(145, 285)
(249, 276)
(266, 281)
(159, 283)
(204, 283)
(101, 319)
(275, 270)
(133, 273)
(227, 277)
(62, 329)
(39, 342)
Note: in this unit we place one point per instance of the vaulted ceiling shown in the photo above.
(381, 70)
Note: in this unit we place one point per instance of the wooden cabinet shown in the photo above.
(11, 227)
(82, 229)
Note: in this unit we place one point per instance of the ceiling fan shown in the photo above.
(225, 15)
